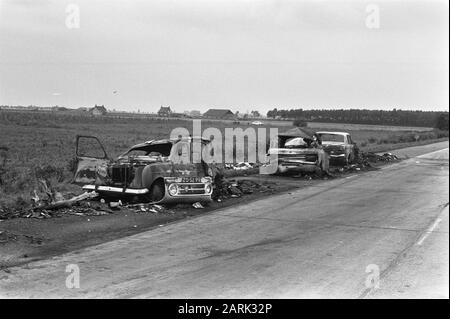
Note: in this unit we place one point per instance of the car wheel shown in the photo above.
(157, 192)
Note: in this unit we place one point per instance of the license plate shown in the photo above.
(190, 180)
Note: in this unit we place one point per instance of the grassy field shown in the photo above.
(43, 145)
(366, 127)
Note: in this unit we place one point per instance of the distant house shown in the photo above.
(165, 111)
(59, 108)
(195, 113)
(220, 114)
(98, 110)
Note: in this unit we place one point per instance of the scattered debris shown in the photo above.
(40, 208)
(197, 205)
(81, 211)
(364, 162)
(115, 205)
(224, 188)
(149, 208)
(370, 157)
(67, 203)
(243, 166)
(79, 206)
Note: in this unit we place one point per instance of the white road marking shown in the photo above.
(429, 231)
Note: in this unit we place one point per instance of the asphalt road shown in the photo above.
(379, 234)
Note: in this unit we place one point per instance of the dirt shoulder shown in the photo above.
(23, 240)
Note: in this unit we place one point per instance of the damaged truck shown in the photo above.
(159, 171)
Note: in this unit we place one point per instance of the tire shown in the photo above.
(157, 192)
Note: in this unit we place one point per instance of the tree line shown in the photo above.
(358, 116)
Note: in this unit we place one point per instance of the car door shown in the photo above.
(90, 156)
(351, 148)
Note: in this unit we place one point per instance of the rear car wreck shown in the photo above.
(295, 151)
(160, 171)
(340, 147)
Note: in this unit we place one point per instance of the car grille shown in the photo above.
(121, 174)
(191, 188)
(296, 157)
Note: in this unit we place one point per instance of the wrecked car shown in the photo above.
(296, 151)
(160, 171)
(340, 147)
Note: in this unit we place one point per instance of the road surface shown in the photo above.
(374, 235)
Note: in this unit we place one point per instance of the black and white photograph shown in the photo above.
(224, 155)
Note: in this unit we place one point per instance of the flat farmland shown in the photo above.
(366, 127)
(42, 145)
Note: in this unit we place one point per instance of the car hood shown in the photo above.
(326, 143)
(293, 151)
(170, 169)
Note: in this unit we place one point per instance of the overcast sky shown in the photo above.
(242, 55)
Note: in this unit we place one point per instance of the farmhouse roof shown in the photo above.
(165, 109)
(99, 107)
(218, 113)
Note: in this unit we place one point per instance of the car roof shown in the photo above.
(174, 140)
(142, 146)
(333, 133)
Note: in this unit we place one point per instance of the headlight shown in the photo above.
(173, 189)
(208, 188)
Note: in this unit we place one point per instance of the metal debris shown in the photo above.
(224, 188)
(198, 205)
(149, 208)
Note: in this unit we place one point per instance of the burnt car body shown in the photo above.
(160, 171)
(340, 147)
(296, 151)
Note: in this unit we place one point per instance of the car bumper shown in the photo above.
(187, 191)
(186, 198)
(297, 167)
(337, 159)
(338, 156)
(168, 198)
(116, 190)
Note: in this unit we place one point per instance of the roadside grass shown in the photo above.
(42, 146)
(368, 127)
